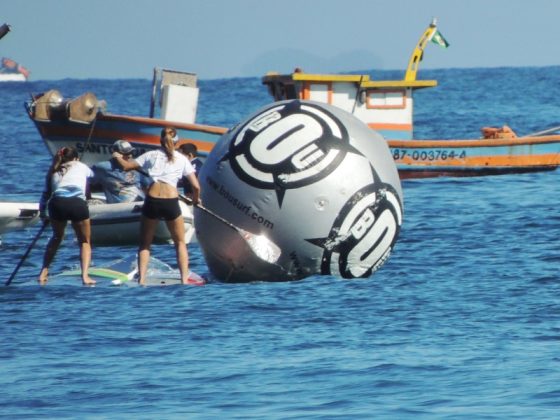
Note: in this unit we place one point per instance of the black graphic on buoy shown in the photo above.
(288, 146)
(311, 178)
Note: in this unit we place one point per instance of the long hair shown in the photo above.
(61, 157)
(59, 161)
(167, 141)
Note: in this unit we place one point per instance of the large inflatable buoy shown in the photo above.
(314, 180)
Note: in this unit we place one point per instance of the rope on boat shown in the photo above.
(89, 136)
(542, 133)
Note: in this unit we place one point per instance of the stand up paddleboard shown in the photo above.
(162, 279)
(123, 272)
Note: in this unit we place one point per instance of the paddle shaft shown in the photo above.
(210, 212)
(261, 246)
(29, 248)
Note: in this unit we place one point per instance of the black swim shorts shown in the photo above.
(74, 209)
(161, 208)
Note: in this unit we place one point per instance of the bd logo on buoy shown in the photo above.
(363, 234)
(288, 146)
(324, 184)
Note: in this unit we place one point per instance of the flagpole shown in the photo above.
(416, 57)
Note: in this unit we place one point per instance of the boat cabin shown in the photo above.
(384, 105)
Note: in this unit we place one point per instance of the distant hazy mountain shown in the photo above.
(285, 60)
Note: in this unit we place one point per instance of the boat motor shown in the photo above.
(45, 104)
(51, 106)
(84, 108)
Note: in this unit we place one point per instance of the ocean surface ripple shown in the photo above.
(463, 321)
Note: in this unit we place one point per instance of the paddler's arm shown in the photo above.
(127, 165)
(195, 188)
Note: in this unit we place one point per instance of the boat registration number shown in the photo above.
(400, 154)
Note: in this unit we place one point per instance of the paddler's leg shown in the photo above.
(177, 229)
(83, 234)
(58, 228)
(147, 231)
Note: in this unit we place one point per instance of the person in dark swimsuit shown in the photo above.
(165, 166)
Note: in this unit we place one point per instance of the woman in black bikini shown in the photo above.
(165, 166)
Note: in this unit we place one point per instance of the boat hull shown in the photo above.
(94, 140)
(111, 224)
(414, 158)
(435, 158)
(12, 77)
(386, 106)
(16, 216)
(119, 224)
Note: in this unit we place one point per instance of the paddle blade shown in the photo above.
(263, 247)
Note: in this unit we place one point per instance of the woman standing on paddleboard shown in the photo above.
(65, 198)
(166, 167)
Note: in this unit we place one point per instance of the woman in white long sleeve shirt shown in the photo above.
(65, 198)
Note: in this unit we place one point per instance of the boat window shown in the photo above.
(320, 92)
(383, 99)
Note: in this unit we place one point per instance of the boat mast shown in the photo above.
(418, 52)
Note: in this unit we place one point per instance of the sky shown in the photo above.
(114, 39)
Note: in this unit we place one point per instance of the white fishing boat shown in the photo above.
(10, 71)
(111, 224)
(119, 224)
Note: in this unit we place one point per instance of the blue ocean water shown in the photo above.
(463, 321)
